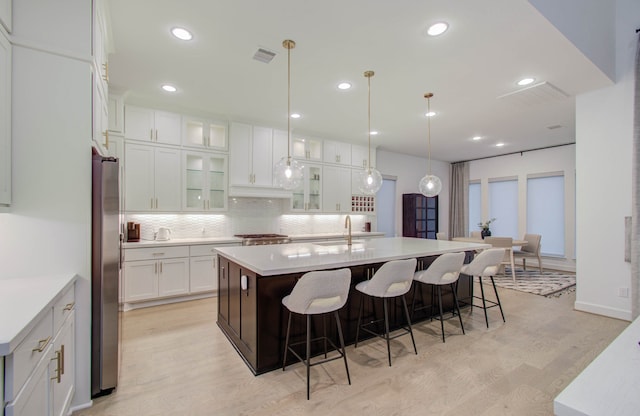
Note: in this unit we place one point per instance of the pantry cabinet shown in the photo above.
(151, 273)
(308, 196)
(337, 152)
(5, 120)
(152, 178)
(203, 133)
(336, 190)
(204, 181)
(152, 125)
(251, 156)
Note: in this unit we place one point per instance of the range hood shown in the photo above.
(255, 192)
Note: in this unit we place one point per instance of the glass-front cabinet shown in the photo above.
(307, 197)
(204, 133)
(306, 148)
(204, 182)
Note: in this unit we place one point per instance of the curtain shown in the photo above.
(459, 200)
(635, 212)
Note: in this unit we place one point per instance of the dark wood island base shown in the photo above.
(251, 315)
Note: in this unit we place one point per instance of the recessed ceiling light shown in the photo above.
(169, 88)
(430, 114)
(525, 81)
(499, 144)
(344, 86)
(476, 138)
(374, 133)
(437, 29)
(295, 115)
(181, 33)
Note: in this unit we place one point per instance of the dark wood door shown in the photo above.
(419, 216)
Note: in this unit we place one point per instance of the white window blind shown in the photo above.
(545, 212)
(503, 206)
(475, 207)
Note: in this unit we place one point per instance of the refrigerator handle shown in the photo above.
(121, 250)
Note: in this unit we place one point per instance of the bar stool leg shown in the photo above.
(286, 343)
(497, 298)
(455, 301)
(324, 332)
(308, 352)
(359, 320)
(440, 305)
(484, 304)
(406, 312)
(386, 328)
(344, 353)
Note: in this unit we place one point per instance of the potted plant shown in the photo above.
(486, 232)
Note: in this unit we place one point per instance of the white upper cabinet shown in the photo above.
(5, 14)
(152, 125)
(251, 155)
(306, 148)
(5, 121)
(360, 155)
(204, 181)
(337, 152)
(204, 133)
(308, 196)
(116, 113)
(336, 189)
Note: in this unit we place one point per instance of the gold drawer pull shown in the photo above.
(42, 344)
(69, 306)
(58, 375)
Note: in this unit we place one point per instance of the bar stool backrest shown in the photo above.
(392, 279)
(444, 270)
(485, 264)
(320, 292)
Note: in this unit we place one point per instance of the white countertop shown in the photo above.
(23, 302)
(237, 240)
(610, 385)
(303, 257)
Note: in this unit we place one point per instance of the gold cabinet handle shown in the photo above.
(58, 370)
(106, 135)
(160, 267)
(156, 134)
(151, 134)
(68, 306)
(106, 72)
(42, 344)
(62, 359)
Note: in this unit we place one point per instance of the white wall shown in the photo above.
(409, 170)
(47, 230)
(559, 159)
(604, 130)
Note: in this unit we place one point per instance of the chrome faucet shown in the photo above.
(347, 223)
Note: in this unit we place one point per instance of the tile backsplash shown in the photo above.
(246, 216)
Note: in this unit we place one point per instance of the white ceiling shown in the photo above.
(489, 46)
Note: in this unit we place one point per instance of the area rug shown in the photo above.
(547, 283)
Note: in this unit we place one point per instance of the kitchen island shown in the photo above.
(253, 280)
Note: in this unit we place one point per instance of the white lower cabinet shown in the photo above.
(40, 373)
(203, 274)
(151, 273)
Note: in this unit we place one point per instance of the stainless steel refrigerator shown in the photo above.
(105, 269)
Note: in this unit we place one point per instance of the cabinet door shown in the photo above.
(116, 114)
(216, 170)
(223, 289)
(62, 390)
(262, 150)
(167, 174)
(173, 277)
(194, 187)
(139, 178)
(167, 127)
(308, 196)
(5, 120)
(203, 274)
(203, 133)
(240, 172)
(34, 399)
(360, 155)
(337, 152)
(336, 189)
(249, 310)
(138, 123)
(140, 280)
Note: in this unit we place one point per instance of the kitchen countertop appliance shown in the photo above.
(263, 239)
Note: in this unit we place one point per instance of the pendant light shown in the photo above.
(370, 180)
(288, 172)
(430, 185)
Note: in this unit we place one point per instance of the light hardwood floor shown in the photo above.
(175, 361)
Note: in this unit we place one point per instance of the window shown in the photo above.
(475, 207)
(503, 206)
(545, 212)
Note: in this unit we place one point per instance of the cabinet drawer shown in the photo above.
(157, 253)
(207, 249)
(63, 308)
(27, 355)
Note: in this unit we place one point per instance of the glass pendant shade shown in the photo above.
(370, 181)
(288, 173)
(430, 185)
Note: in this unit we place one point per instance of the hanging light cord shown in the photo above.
(289, 44)
(369, 74)
(428, 97)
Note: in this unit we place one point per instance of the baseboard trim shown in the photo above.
(81, 406)
(622, 314)
(125, 307)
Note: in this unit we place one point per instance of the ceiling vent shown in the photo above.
(263, 55)
(541, 93)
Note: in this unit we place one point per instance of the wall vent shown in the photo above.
(541, 93)
(263, 55)
(555, 126)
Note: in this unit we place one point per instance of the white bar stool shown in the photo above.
(486, 264)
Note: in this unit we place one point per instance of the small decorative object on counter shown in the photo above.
(133, 232)
(486, 232)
